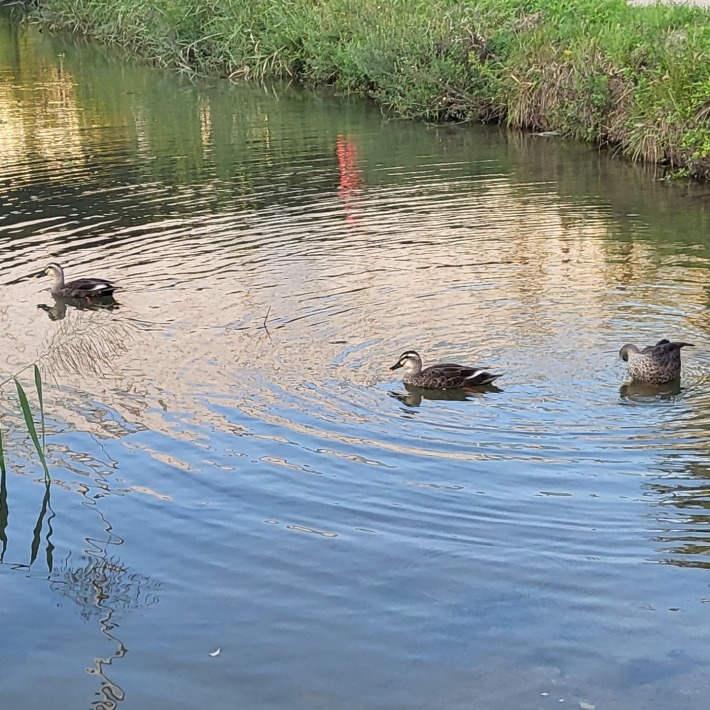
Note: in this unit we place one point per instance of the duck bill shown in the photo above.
(38, 275)
(396, 366)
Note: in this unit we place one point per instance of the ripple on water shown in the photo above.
(237, 418)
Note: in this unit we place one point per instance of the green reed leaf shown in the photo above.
(2, 456)
(29, 421)
(38, 385)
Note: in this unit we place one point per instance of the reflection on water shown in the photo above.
(345, 540)
(4, 511)
(414, 395)
(643, 392)
(103, 590)
(86, 346)
(58, 311)
(100, 585)
(46, 514)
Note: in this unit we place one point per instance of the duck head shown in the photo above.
(410, 361)
(52, 269)
(629, 348)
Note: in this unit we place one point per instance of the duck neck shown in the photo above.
(59, 279)
(414, 368)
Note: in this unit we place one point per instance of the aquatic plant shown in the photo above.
(634, 77)
(29, 419)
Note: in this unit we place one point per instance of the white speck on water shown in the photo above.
(216, 653)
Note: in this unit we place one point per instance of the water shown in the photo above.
(233, 464)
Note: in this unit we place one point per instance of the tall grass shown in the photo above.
(599, 70)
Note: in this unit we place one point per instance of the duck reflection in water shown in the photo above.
(640, 392)
(59, 310)
(414, 395)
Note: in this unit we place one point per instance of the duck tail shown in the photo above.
(481, 377)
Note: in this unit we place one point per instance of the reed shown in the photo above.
(2, 457)
(28, 417)
(637, 78)
(29, 422)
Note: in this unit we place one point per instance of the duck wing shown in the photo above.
(451, 376)
(89, 286)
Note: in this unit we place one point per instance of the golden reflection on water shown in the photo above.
(474, 268)
(39, 123)
(502, 281)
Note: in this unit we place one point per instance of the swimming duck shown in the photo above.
(79, 288)
(655, 364)
(443, 376)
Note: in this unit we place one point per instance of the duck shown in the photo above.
(655, 364)
(79, 288)
(443, 376)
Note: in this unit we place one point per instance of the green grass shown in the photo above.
(637, 78)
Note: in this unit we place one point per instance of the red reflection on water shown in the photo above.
(350, 186)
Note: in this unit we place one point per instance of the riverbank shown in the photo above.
(636, 78)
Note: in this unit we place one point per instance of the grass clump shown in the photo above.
(598, 70)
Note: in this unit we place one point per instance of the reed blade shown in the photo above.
(2, 456)
(38, 385)
(29, 422)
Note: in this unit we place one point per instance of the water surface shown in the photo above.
(233, 465)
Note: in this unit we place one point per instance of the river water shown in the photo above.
(233, 465)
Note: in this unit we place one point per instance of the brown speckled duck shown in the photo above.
(443, 376)
(79, 288)
(655, 364)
